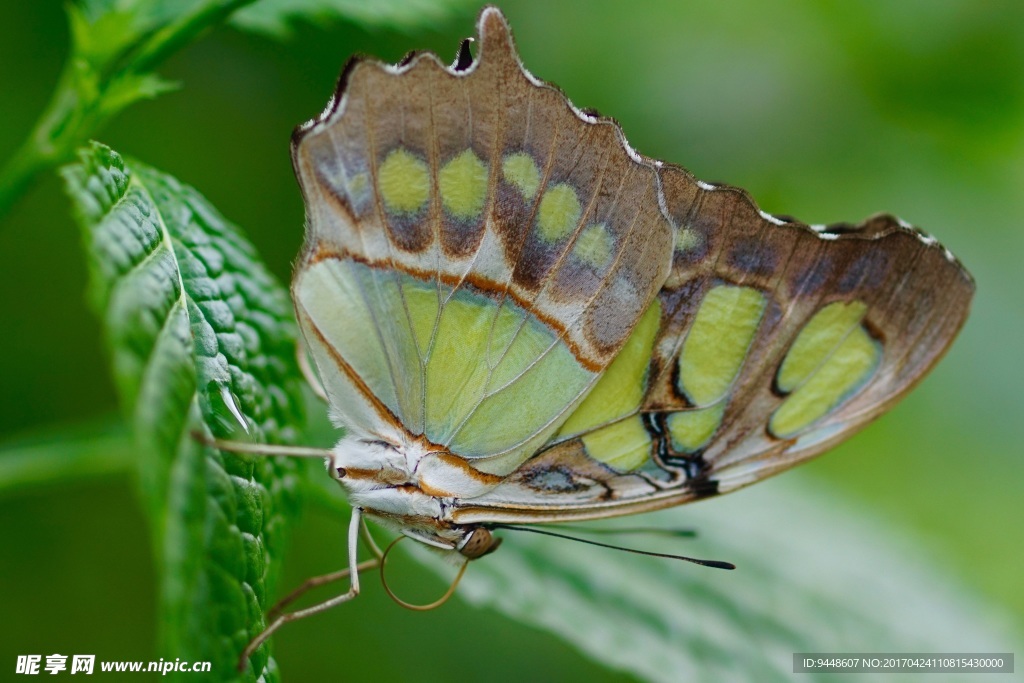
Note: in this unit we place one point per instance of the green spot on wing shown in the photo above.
(818, 339)
(594, 245)
(849, 367)
(692, 429)
(718, 341)
(521, 171)
(404, 181)
(558, 214)
(623, 446)
(463, 183)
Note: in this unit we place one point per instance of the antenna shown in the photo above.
(671, 532)
(717, 564)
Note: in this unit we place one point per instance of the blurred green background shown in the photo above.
(822, 110)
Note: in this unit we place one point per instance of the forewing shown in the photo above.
(477, 250)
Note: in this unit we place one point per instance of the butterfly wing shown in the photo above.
(769, 342)
(497, 273)
(477, 251)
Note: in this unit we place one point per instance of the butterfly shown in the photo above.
(517, 318)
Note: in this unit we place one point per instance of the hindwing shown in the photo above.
(769, 342)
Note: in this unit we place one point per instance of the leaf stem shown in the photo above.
(42, 149)
(75, 114)
(180, 32)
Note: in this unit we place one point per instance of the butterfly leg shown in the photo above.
(324, 579)
(352, 571)
(261, 448)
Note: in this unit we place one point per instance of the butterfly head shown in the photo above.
(410, 484)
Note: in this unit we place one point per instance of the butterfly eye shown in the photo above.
(480, 542)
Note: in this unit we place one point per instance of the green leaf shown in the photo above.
(275, 17)
(129, 88)
(200, 337)
(844, 582)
